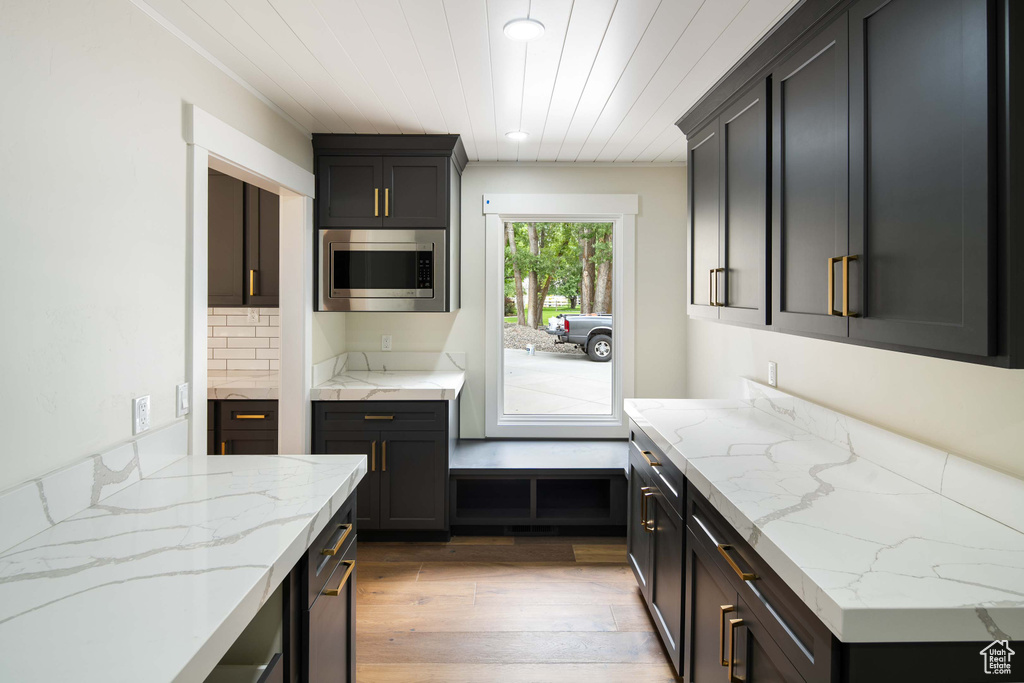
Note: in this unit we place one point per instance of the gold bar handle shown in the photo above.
(714, 274)
(647, 456)
(373, 456)
(643, 505)
(726, 609)
(384, 456)
(223, 447)
(648, 523)
(252, 282)
(337, 546)
(846, 286)
(711, 287)
(387, 191)
(379, 417)
(723, 549)
(376, 202)
(335, 592)
(250, 417)
(733, 623)
(830, 309)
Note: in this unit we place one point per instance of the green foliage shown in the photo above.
(559, 254)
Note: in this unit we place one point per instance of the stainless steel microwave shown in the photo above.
(383, 270)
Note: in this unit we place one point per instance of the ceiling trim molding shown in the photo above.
(580, 164)
(202, 52)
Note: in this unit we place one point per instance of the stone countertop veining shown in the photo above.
(156, 581)
(244, 385)
(391, 385)
(878, 557)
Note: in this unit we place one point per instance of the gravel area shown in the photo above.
(517, 337)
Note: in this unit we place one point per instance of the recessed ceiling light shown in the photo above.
(517, 135)
(524, 29)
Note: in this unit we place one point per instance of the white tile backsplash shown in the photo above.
(237, 343)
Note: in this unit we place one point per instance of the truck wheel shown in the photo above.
(600, 348)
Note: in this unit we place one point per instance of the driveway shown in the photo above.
(556, 384)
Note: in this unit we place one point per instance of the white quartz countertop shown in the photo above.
(878, 557)
(391, 385)
(244, 385)
(156, 581)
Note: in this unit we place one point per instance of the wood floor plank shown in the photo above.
(632, 617)
(508, 647)
(525, 571)
(410, 552)
(482, 540)
(514, 673)
(415, 593)
(555, 593)
(600, 553)
(559, 540)
(387, 571)
(484, 618)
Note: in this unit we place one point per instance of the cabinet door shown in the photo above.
(413, 479)
(754, 656)
(638, 538)
(666, 576)
(809, 194)
(416, 192)
(711, 603)
(350, 192)
(368, 489)
(920, 217)
(329, 627)
(744, 244)
(704, 171)
(225, 227)
(247, 442)
(262, 238)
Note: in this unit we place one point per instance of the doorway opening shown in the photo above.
(558, 324)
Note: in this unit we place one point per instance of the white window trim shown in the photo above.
(620, 209)
(215, 144)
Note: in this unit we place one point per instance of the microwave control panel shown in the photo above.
(425, 270)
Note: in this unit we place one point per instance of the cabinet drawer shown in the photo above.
(652, 463)
(329, 628)
(328, 549)
(778, 611)
(247, 415)
(390, 415)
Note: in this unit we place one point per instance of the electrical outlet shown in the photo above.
(254, 315)
(385, 342)
(181, 400)
(140, 414)
(773, 374)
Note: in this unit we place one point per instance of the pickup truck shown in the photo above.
(591, 334)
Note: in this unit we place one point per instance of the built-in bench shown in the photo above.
(512, 486)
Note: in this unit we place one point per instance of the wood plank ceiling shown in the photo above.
(605, 82)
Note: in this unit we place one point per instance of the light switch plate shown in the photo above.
(140, 414)
(773, 374)
(385, 342)
(254, 315)
(181, 400)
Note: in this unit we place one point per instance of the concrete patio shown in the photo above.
(556, 384)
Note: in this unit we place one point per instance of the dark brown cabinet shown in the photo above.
(243, 226)
(406, 444)
(638, 535)
(242, 427)
(349, 191)
(329, 627)
(416, 192)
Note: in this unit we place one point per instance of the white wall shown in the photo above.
(661, 275)
(92, 214)
(971, 410)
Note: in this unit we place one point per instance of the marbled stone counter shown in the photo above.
(156, 581)
(391, 385)
(877, 556)
(243, 385)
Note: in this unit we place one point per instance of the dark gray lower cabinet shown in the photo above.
(638, 536)
(329, 627)
(241, 427)
(413, 476)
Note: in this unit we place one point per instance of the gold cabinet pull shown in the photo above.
(250, 417)
(376, 202)
(643, 505)
(337, 546)
(384, 456)
(386, 193)
(335, 592)
(252, 282)
(726, 609)
(711, 286)
(648, 523)
(223, 447)
(733, 624)
(831, 308)
(723, 549)
(846, 286)
(714, 275)
(378, 417)
(647, 456)
(373, 456)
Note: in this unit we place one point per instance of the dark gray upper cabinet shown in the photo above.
(728, 215)
(415, 192)
(262, 247)
(350, 191)
(921, 218)
(809, 193)
(225, 229)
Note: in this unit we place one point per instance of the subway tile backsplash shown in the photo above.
(235, 343)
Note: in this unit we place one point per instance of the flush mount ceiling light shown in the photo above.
(517, 135)
(524, 29)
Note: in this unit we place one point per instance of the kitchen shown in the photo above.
(254, 409)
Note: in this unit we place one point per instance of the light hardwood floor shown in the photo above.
(502, 609)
